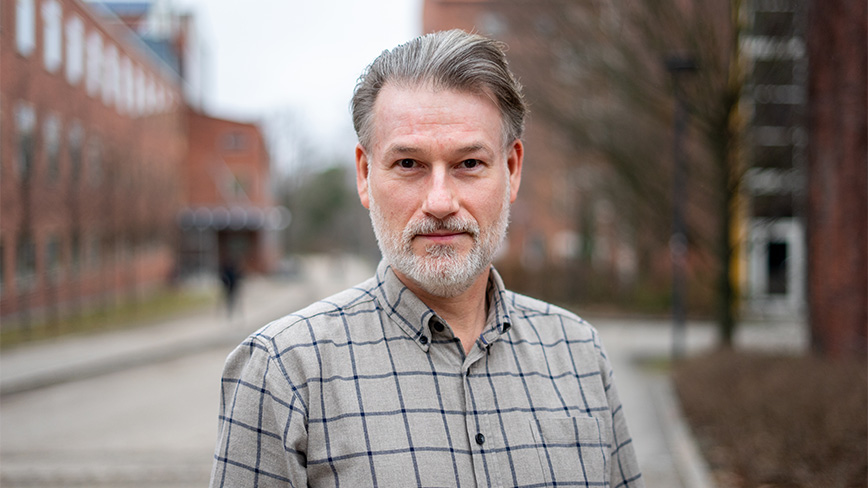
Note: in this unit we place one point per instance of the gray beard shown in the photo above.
(441, 271)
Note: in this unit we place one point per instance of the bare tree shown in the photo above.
(596, 71)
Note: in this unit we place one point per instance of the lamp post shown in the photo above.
(678, 65)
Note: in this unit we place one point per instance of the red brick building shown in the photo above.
(98, 153)
(228, 212)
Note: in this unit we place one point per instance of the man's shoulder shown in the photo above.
(528, 307)
(330, 312)
(536, 320)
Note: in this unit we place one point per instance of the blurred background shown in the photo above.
(175, 173)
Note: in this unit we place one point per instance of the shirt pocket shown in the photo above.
(571, 450)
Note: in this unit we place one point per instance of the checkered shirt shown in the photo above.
(371, 388)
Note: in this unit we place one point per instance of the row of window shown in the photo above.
(60, 258)
(106, 71)
(72, 154)
(79, 154)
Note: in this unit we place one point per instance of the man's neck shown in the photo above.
(466, 313)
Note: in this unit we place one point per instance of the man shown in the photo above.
(430, 373)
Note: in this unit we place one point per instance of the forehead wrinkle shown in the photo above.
(406, 125)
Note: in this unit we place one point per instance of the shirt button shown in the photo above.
(437, 326)
(423, 340)
(480, 439)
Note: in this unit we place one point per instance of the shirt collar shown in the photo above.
(413, 316)
(498, 322)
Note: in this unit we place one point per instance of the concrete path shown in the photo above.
(666, 450)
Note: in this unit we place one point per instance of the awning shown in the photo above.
(234, 218)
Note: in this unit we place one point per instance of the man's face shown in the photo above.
(438, 181)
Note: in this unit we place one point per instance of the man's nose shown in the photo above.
(441, 199)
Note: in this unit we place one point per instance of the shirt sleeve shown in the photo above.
(624, 469)
(262, 433)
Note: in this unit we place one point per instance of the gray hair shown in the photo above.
(452, 60)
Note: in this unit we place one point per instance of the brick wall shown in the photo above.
(838, 177)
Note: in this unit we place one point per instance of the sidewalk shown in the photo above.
(262, 300)
(667, 453)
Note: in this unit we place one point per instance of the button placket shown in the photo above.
(485, 460)
(481, 424)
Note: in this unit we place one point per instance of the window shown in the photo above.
(126, 97)
(773, 72)
(151, 96)
(123, 249)
(777, 268)
(94, 63)
(74, 50)
(93, 251)
(51, 136)
(25, 120)
(165, 98)
(52, 38)
(773, 114)
(75, 143)
(25, 262)
(140, 92)
(25, 27)
(2, 265)
(52, 258)
(75, 252)
(161, 98)
(110, 75)
(773, 156)
(123, 81)
(234, 141)
(239, 185)
(94, 161)
(776, 24)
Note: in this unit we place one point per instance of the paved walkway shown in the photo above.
(262, 300)
(667, 453)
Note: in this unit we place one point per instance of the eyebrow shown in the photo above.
(471, 148)
(399, 149)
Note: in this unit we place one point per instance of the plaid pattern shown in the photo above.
(370, 388)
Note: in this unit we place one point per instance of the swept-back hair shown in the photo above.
(452, 60)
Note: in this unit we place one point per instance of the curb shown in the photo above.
(689, 462)
(264, 300)
(107, 365)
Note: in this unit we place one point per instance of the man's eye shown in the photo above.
(470, 163)
(407, 163)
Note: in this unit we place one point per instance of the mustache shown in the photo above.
(428, 225)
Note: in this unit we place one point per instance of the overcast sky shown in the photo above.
(261, 56)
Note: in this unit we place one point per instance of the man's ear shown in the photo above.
(514, 160)
(362, 171)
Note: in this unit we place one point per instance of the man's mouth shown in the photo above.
(440, 232)
(442, 237)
